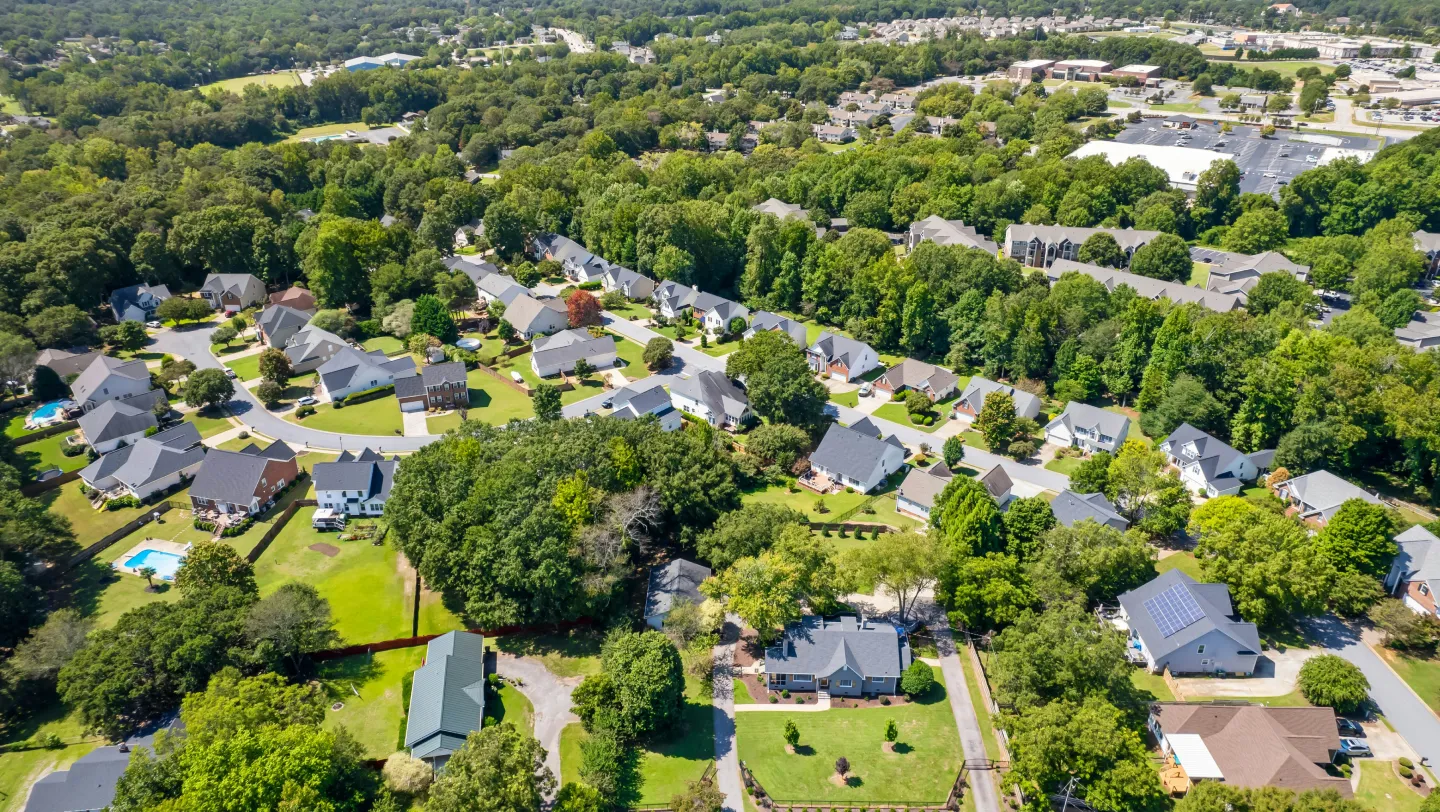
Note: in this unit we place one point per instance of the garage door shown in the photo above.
(412, 405)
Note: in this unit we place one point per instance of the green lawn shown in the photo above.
(376, 717)
(513, 707)
(15, 424)
(895, 412)
(1383, 788)
(491, 401)
(390, 345)
(209, 422)
(886, 513)
(974, 439)
(329, 129)
(665, 766)
(379, 416)
(1422, 674)
(587, 389)
(920, 771)
(1153, 683)
(19, 768)
(1134, 433)
(44, 454)
(805, 501)
(1183, 561)
(575, 653)
(11, 105)
(742, 693)
(1284, 68)
(90, 525)
(1064, 465)
(633, 356)
(371, 596)
(630, 310)
(1179, 107)
(247, 368)
(239, 83)
(1199, 275)
(850, 399)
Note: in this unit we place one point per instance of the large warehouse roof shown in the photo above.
(1182, 164)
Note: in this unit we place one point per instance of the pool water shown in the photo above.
(165, 564)
(50, 412)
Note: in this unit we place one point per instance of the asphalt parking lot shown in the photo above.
(1266, 164)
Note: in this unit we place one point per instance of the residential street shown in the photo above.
(1410, 716)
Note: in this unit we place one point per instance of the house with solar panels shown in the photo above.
(1175, 622)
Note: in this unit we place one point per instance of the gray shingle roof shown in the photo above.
(1071, 507)
(839, 349)
(780, 209)
(144, 297)
(66, 362)
(447, 695)
(1213, 601)
(525, 311)
(229, 476)
(1417, 559)
(369, 474)
(1083, 415)
(714, 389)
(1126, 237)
(951, 232)
(851, 453)
(1213, 455)
(677, 579)
(642, 398)
(817, 646)
(113, 419)
(1178, 292)
(1322, 490)
(568, 346)
(765, 320)
(311, 343)
(95, 376)
(349, 365)
(149, 458)
(280, 322)
(914, 374)
(924, 485)
(246, 286)
(1026, 403)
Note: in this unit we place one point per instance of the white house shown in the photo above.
(557, 354)
(115, 423)
(1089, 428)
(630, 284)
(646, 398)
(847, 458)
(110, 379)
(351, 371)
(1206, 464)
(355, 485)
(718, 317)
(533, 317)
(712, 397)
(841, 358)
(672, 298)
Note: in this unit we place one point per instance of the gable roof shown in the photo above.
(851, 453)
(101, 370)
(914, 374)
(923, 486)
(1083, 415)
(765, 320)
(447, 695)
(294, 297)
(67, 362)
(814, 645)
(726, 310)
(1415, 559)
(311, 342)
(715, 390)
(349, 364)
(1071, 507)
(838, 349)
(940, 231)
(242, 285)
(278, 319)
(997, 481)
(1213, 456)
(1258, 746)
(567, 346)
(1126, 237)
(524, 311)
(1322, 491)
(1026, 403)
(1178, 292)
(780, 209)
(113, 419)
(673, 581)
(1175, 610)
(234, 476)
(149, 458)
(368, 474)
(145, 297)
(638, 399)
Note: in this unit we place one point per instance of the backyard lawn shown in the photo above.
(1382, 788)
(376, 717)
(491, 401)
(43, 455)
(390, 345)
(667, 766)
(1153, 683)
(90, 525)
(575, 653)
(920, 771)
(378, 416)
(629, 310)
(1064, 465)
(1184, 561)
(20, 767)
(15, 423)
(247, 368)
(513, 707)
(521, 364)
(805, 501)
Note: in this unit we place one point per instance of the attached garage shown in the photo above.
(412, 405)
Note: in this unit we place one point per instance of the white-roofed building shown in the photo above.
(1183, 165)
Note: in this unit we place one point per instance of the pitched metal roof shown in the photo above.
(817, 646)
(851, 453)
(1151, 612)
(447, 695)
(675, 580)
(113, 419)
(1071, 507)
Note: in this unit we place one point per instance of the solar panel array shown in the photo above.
(1174, 610)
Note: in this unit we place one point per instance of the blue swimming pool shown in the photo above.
(165, 564)
(50, 412)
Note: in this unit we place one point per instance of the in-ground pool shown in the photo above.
(47, 413)
(165, 564)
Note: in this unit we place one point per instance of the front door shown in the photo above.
(824, 683)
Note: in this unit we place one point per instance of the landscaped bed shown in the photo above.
(920, 771)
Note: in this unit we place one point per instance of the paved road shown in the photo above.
(981, 782)
(1410, 716)
(550, 696)
(727, 760)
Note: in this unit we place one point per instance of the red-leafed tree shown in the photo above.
(583, 308)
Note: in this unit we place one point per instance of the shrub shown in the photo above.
(884, 700)
(918, 679)
(792, 733)
(785, 693)
(1333, 682)
(305, 411)
(1403, 628)
(1406, 772)
(119, 502)
(1405, 762)
(244, 435)
(406, 774)
(849, 489)
(72, 450)
(774, 699)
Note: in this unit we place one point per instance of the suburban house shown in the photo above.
(89, 783)
(1415, 571)
(67, 363)
(1090, 428)
(232, 292)
(672, 298)
(149, 465)
(351, 371)
(972, 399)
(676, 581)
(844, 656)
(631, 285)
(1428, 243)
(245, 482)
(354, 485)
(1177, 292)
(1239, 272)
(921, 487)
(1206, 464)
(937, 382)
(712, 397)
(1422, 332)
(498, 287)
(940, 231)
(646, 398)
(1071, 507)
(437, 386)
(447, 697)
(296, 298)
(115, 423)
(277, 324)
(717, 316)
(1180, 624)
(578, 263)
(557, 354)
(764, 321)
(1247, 745)
(781, 209)
(137, 302)
(110, 379)
(847, 458)
(311, 347)
(1039, 245)
(536, 317)
(1316, 496)
(998, 484)
(841, 358)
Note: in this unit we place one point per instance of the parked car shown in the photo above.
(153, 325)
(230, 373)
(1349, 727)
(866, 389)
(1354, 748)
(306, 401)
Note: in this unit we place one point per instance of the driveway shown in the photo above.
(549, 694)
(727, 759)
(1275, 675)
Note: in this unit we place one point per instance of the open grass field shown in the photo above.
(1284, 68)
(378, 416)
(90, 525)
(806, 501)
(247, 368)
(666, 766)
(1383, 788)
(1183, 561)
(1199, 275)
(329, 129)
(11, 106)
(43, 455)
(376, 716)
(239, 83)
(20, 766)
(1179, 107)
(921, 770)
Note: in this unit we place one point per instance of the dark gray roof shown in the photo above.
(144, 297)
(448, 372)
(1416, 558)
(1322, 490)
(642, 398)
(1178, 292)
(715, 390)
(1071, 507)
(1174, 610)
(370, 474)
(924, 485)
(997, 481)
(113, 419)
(567, 346)
(1262, 459)
(349, 363)
(1126, 237)
(101, 370)
(851, 453)
(817, 646)
(280, 322)
(866, 427)
(1026, 403)
(149, 458)
(447, 695)
(837, 348)
(67, 362)
(89, 783)
(678, 579)
(275, 451)
(1213, 455)
(229, 476)
(311, 343)
(911, 373)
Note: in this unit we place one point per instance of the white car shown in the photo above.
(306, 401)
(153, 325)
(865, 390)
(1270, 174)
(1310, 159)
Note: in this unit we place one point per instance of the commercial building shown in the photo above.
(1182, 165)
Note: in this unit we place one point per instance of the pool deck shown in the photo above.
(159, 545)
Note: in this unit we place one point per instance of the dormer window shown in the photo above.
(1424, 589)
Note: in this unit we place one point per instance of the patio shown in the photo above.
(170, 548)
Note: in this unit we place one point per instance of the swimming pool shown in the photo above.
(165, 564)
(47, 413)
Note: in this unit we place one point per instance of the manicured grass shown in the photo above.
(630, 309)
(569, 654)
(329, 129)
(1199, 275)
(975, 439)
(1383, 788)
(1119, 104)
(491, 401)
(850, 399)
(1422, 674)
(886, 513)
(633, 356)
(1183, 561)
(376, 718)
(1179, 107)
(90, 525)
(977, 701)
(588, 388)
(11, 106)
(379, 416)
(247, 368)
(208, 422)
(239, 83)
(804, 501)
(1153, 683)
(666, 766)
(1134, 432)
(513, 707)
(742, 693)
(15, 423)
(236, 444)
(1064, 465)
(895, 412)
(1284, 68)
(390, 345)
(21, 767)
(44, 454)
(922, 773)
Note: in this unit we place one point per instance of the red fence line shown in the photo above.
(412, 642)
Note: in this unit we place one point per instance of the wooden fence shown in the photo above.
(36, 488)
(48, 431)
(129, 527)
(505, 379)
(420, 640)
(285, 516)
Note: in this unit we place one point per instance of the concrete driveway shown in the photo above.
(549, 694)
(1275, 675)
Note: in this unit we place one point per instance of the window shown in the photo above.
(1201, 649)
(876, 679)
(846, 683)
(1424, 589)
